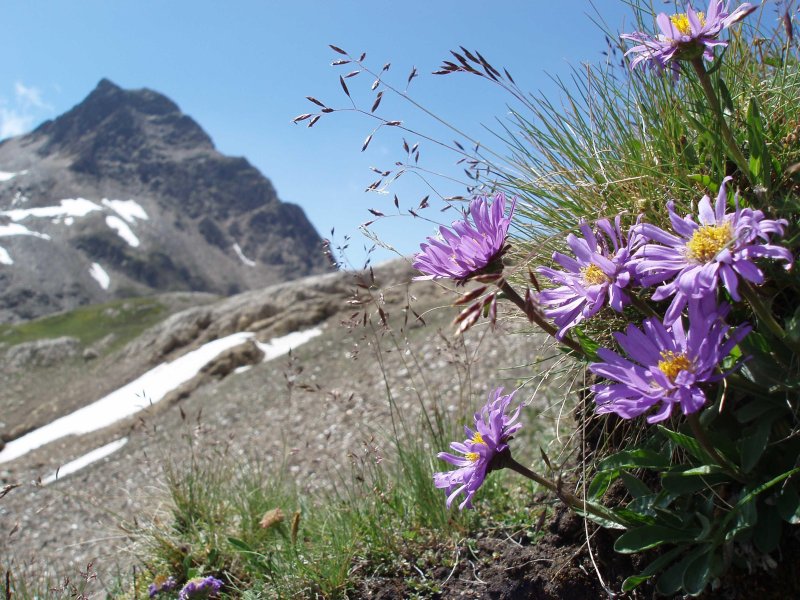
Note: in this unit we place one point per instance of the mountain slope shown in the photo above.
(126, 195)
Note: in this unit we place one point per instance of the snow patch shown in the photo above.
(5, 257)
(17, 229)
(130, 210)
(100, 276)
(148, 389)
(249, 262)
(69, 207)
(6, 175)
(85, 460)
(122, 229)
(279, 346)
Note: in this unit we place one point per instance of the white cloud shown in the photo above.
(13, 122)
(30, 96)
(19, 114)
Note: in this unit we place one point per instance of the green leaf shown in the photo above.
(588, 345)
(752, 447)
(600, 484)
(240, 545)
(650, 536)
(635, 486)
(671, 581)
(692, 480)
(651, 569)
(640, 458)
(691, 445)
(698, 572)
(706, 182)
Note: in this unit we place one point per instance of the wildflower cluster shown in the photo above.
(690, 287)
(684, 317)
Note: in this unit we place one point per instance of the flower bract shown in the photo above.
(493, 429)
(596, 276)
(666, 366)
(685, 36)
(721, 246)
(468, 248)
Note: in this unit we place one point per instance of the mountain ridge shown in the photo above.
(125, 195)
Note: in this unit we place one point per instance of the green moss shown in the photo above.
(125, 319)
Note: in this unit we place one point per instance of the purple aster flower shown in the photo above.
(721, 247)
(161, 584)
(685, 36)
(493, 429)
(670, 364)
(467, 249)
(200, 587)
(595, 277)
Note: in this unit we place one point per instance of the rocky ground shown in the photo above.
(306, 414)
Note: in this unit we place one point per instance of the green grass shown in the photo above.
(387, 519)
(125, 319)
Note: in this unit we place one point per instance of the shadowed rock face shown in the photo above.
(198, 220)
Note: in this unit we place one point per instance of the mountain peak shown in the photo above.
(95, 129)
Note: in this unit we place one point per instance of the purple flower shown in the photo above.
(493, 429)
(161, 584)
(670, 364)
(721, 247)
(595, 277)
(200, 587)
(467, 249)
(685, 36)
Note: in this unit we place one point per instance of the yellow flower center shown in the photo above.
(671, 364)
(708, 241)
(477, 438)
(681, 22)
(593, 275)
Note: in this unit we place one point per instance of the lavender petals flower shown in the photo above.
(493, 429)
(200, 587)
(685, 36)
(667, 366)
(466, 249)
(596, 276)
(697, 256)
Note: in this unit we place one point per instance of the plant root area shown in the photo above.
(559, 566)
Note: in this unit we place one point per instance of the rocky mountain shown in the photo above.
(304, 414)
(125, 195)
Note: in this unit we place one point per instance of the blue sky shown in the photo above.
(242, 69)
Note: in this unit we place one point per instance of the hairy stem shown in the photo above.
(534, 317)
(713, 100)
(565, 496)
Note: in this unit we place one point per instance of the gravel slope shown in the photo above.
(305, 414)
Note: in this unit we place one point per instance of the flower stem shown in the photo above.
(702, 438)
(642, 306)
(711, 95)
(565, 496)
(534, 317)
(765, 316)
